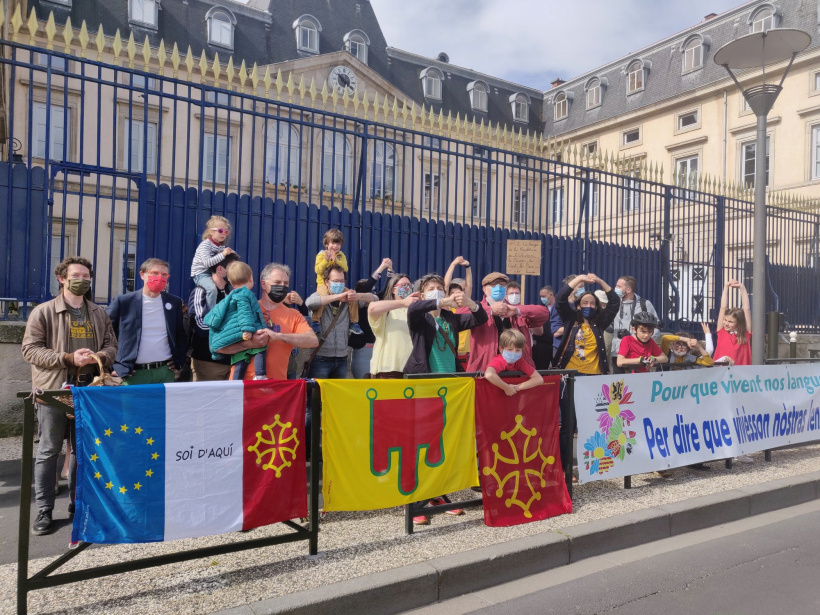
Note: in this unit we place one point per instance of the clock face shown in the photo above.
(342, 79)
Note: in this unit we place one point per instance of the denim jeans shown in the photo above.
(204, 281)
(328, 368)
(360, 363)
(52, 431)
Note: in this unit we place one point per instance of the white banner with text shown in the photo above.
(637, 423)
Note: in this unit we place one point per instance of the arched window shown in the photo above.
(561, 106)
(478, 95)
(357, 43)
(337, 164)
(143, 12)
(221, 24)
(693, 52)
(282, 151)
(431, 79)
(520, 107)
(383, 171)
(307, 30)
(636, 75)
(594, 93)
(764, 18)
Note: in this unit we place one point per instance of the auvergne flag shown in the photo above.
(161, 462)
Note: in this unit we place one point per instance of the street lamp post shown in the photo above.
(750, 52)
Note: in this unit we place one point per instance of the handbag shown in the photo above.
(101, 380)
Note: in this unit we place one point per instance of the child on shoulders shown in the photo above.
(332, 255)
(210, 252)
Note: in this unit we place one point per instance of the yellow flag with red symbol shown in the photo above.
(393, 442)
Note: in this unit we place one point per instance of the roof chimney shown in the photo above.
(710, 16)
(443, 57)
(558, 81)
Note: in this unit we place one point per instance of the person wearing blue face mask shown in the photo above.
(542, 339)
(501, 315)
(511, 345)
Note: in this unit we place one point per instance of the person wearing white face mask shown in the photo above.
(502, 315)
(434, 328)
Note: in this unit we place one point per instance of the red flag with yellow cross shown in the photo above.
(392, 442)
(518, 453)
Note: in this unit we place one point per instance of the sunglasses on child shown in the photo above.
(224, 231)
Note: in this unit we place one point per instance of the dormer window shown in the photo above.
(221, 24)
(431, 79)
(561, 106)
(594, 93)
(357, 42)
(765, 18)
(520, 107)
(143, 12)
(636, 76)
(478, 95)
(694, 50)
(307, 30)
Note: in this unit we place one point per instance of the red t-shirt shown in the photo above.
(727, 346)
(500, 365)
(632, 348)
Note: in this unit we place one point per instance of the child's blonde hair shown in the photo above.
(511, 337)
(215, 222)
(239, 273)
(334, 235)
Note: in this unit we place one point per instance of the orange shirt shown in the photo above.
(282, 320)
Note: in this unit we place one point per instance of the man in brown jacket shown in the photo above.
(60, 337)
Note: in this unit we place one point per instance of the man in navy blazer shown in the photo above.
(149, 328)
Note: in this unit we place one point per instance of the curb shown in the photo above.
(425, 583)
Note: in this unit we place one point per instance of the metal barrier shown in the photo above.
(567, 418)
(44, 578)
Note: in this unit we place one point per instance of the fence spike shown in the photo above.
(175, 60)
(290, 85)
(216, 69)
(33, 25)
(230, 73)
(345, 101)
(312, 92)
(162, 57)
(395, 111)
(324, 94)
(450, 124)
(203, 67)
(266, 80)
(17, 22)
(189, 64)
(386, 108)
(334, 96)
(83, 38)
(404, 114)
(440, 122)
(254, 77)
(131, 50)
(146, 53)
(51, 30)
(376, 107)
(302, 89)
(279, 83)
(243, 76)
(116, 47)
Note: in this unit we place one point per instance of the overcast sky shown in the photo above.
(532, 42)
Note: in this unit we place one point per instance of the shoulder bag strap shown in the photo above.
(322, 339)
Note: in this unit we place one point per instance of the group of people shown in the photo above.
(431, 325)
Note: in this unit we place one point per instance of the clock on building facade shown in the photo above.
(342, 79)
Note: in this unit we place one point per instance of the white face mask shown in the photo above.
(514, 299)
(434, 295)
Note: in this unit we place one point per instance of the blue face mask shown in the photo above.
(498, 292)
(511, 357)
(619, 292)
(337, 288)
(544, 301)
(587, 312)
(580, 291)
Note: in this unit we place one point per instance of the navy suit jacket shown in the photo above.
(125, 312)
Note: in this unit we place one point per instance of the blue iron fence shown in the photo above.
(120, 164)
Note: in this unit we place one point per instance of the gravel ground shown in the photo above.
(353, 544)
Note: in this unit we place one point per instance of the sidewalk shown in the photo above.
(373, 564)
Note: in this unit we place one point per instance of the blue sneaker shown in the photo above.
(317, 328)
(355, 329)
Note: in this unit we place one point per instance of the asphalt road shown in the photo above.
(761, 565)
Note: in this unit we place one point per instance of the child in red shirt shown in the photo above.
(640, 349)
(511, 342)
(734, 340)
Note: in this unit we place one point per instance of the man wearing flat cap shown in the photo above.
(484, 338)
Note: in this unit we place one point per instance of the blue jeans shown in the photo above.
(204, 281)
(323, 367)
(360, 364)
(259, 366)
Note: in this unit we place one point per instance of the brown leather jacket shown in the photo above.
(46, 341)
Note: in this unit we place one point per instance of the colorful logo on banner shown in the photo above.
(272, 448)
(526, 463)
(408, 427)
(614, 438)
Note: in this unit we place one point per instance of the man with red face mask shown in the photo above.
(149, 328)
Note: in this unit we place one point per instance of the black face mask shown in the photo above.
(278, 292)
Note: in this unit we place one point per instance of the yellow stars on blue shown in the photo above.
(97, 475)
(149, 441)
(124, 428)
(155, 456)
(108, 432)
(137, 486)
(109, 485)
(123, 490)
(138, 430)
(149, 473)
(97, 441)
(94, 457)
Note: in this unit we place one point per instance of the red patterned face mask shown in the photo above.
(156, 283)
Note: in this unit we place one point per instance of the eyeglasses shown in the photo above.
(224, 231)
(158, 273)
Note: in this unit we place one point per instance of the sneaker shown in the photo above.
(71, 508)
(439, 501)
(421, 520)
(355, 329)
(663, 473)
(317, 328)
(42, 525)
(744, 459)
(73, 544)
(260, 377)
